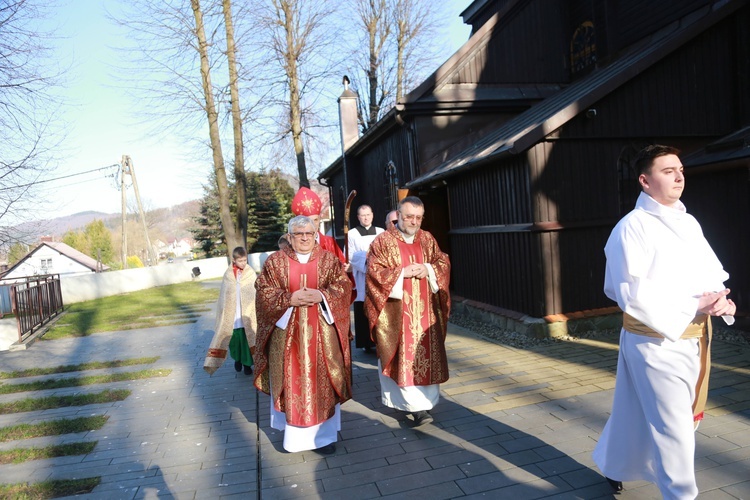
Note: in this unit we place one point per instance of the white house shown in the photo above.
(54, 257)
(183, 246)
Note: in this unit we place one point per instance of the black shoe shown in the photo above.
(616, 485)
(421, 418)
(368, 349)
(328, 449)
(237, 366)
(248, 370)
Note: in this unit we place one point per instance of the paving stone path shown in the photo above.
(511, 423)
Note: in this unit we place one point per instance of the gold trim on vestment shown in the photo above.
(699, 328)
(694, 330)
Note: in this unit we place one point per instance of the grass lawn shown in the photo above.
(34, 404)
(92, 365)
(49, 489)
(52, 428)
(58, 383)
(160, 306)
(20, 455)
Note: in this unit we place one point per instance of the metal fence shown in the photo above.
(35, 301)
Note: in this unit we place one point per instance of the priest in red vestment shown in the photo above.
(407, 304)
(302, 350)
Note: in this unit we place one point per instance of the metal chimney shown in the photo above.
(348, 116)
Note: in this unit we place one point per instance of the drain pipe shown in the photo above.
(400, 112)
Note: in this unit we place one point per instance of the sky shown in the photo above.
(102, 124)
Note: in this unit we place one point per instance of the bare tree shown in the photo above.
(230, 230)
(27, 109)
(375, 18)
(173, 38)
(415, 22)
(298, 35)
(396, 48)
(239, 146)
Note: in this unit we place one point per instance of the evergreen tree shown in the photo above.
(269, 208)
(208, 234)
(269, 199)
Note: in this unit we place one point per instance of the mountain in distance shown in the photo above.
(171, 222)
(32, 231)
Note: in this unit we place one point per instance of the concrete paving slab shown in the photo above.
(512, 422)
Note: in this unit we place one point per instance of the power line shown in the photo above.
(58, 178)
(76, 183)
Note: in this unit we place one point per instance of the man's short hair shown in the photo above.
(300, 221)
(412, 200)
(646, 156)
(363, 206)
(239, 252)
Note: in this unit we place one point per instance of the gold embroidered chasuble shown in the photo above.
(308, 363)
(409, 333)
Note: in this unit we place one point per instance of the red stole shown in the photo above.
(416, 320)
(302, 356)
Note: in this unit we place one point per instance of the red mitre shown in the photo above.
(306, 202)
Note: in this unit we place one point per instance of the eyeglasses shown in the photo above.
(417, 218)
(306, 234)
(394, 221)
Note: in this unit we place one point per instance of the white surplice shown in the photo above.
(358, 246)
(658, 265)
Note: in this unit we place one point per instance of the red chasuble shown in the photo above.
(416, 324)
(409, 333)
(329, 243)
(308, 363)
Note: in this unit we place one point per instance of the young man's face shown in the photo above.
(240, 262)
(410, 218)
(365, 216)
(665, 181)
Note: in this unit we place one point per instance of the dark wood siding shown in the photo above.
(497, 268)
(685, 94)
(529, 47)
(541, 219)
(487, 12)
(720, 201)
(581, 270)
(495, 195)
(527, 232)
(638, 18)
(498, 261)
(366, 174)
(443, 137)
(574, 181)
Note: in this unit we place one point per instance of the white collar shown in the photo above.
(650, 205)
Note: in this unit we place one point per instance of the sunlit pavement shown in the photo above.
(511, 423)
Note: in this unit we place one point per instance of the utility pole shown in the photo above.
(124, 248)
(127, 167)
